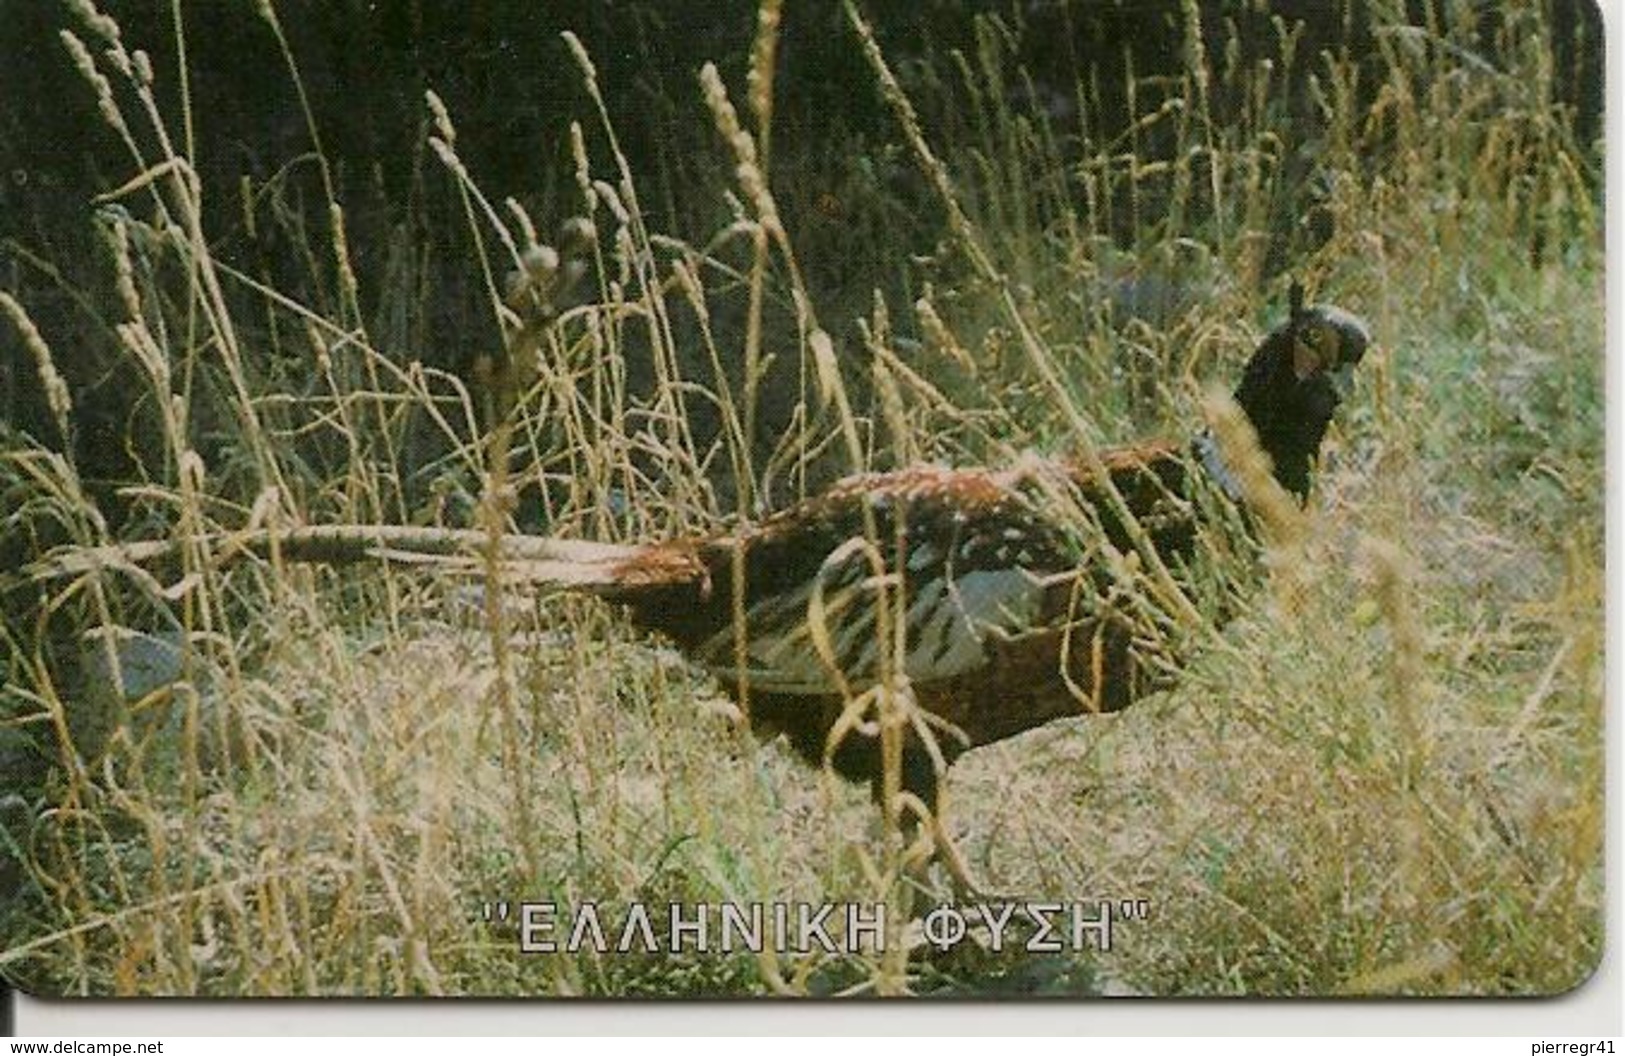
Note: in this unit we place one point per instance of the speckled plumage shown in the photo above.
(985, 583)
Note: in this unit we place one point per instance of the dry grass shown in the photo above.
(1384, 777)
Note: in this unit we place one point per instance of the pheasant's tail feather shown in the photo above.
(591, 577)
(566, 564)
(597, 568)
(526, 561)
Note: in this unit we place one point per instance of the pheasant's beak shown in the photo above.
(1353, 339)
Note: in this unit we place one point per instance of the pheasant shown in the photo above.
(1006, 622)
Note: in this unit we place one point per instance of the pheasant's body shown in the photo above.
(956, 579)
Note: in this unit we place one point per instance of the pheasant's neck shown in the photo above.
(1289, 416)
(1290, 465)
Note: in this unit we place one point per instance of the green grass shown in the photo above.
(1384, 776)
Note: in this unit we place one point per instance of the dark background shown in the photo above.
(509, 82)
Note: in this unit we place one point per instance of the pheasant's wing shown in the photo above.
(924, 566)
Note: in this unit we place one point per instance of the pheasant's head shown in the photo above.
(1295, 381)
